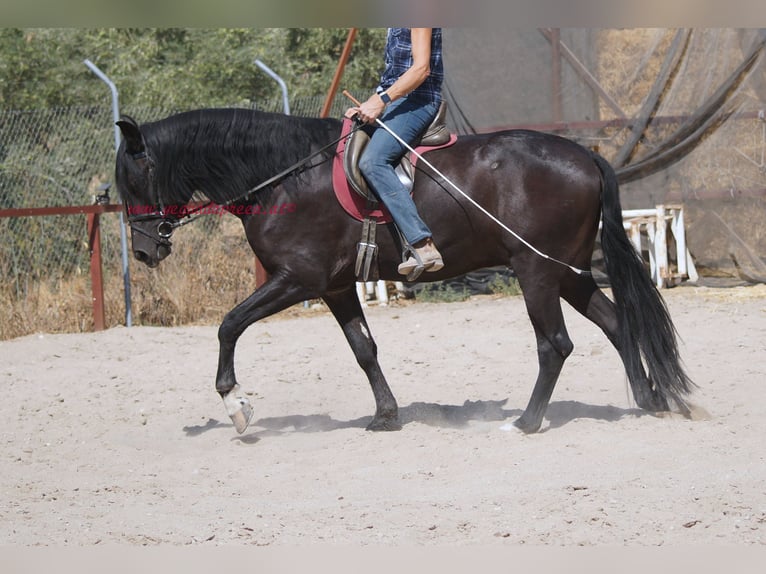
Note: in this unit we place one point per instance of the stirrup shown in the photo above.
(412, 274)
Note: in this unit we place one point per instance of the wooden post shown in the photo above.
(584, 73)
(555, 40)
(96, 277)
(260, 273)
(338, 73)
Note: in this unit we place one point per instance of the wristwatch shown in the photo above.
(385, 97)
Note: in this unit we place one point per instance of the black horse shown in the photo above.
(549, 190)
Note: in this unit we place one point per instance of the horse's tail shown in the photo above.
(645, 329)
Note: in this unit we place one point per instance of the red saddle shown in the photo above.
(353, 202)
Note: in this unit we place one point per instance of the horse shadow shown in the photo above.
(561, 413)
(558, 414)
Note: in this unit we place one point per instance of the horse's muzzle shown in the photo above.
(152, 260)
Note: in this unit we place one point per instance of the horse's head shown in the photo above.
(150, 226)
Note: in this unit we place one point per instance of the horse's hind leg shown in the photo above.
(553, 344)
(347, 310)
(585, 296)
(276, 294)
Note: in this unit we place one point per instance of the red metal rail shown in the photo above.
(93, 214)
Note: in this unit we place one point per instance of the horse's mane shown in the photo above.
(222, 153)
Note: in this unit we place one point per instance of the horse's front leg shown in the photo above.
(347, 309)
(276, 294)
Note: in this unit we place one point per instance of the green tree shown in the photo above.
(311, 57)
(176, 68)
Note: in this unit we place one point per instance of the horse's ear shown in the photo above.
(134, 141)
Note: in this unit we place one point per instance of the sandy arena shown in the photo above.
(119, 437)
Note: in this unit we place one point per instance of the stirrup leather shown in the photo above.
(366, 251)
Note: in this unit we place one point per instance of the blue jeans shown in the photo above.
(408, 120)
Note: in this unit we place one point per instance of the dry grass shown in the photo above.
(208, 273)
(629, 61)
(211, 269)
(55, 308)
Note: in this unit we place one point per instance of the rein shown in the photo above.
(168, 225)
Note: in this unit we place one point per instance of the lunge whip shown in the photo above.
(470, 199)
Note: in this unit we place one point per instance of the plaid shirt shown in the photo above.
(399, 60)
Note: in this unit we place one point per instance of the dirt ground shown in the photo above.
(119, 438)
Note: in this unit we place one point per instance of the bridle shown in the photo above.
(167, 223)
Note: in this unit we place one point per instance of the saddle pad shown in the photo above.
(353, 203)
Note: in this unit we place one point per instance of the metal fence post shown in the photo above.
(123, 233)
(273, 75)
(260, 273)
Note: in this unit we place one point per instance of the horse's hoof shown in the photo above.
(527, 428)
(652, 402)
(238, 409)
(381, 424)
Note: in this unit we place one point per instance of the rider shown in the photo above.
(407, 101)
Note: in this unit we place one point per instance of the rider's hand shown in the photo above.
(369, 111)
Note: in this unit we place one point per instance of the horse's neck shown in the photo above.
(260, 151)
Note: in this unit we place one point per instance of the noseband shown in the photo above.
(165, 226)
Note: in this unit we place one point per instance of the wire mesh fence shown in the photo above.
(65, 157)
